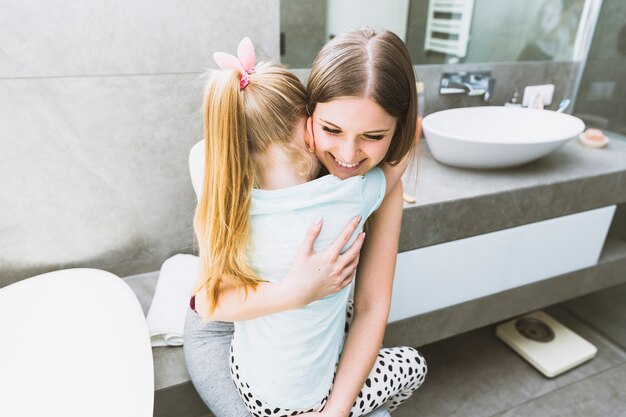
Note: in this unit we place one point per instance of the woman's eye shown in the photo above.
(374, 137)
(331, 131)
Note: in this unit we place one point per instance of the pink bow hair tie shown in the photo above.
(244, 64)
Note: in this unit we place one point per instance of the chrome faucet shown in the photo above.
(475, 83)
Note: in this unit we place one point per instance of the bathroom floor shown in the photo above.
(476, 375)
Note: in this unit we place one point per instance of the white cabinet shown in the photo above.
(449, 273)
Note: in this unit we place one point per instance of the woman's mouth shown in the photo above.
(346, 167)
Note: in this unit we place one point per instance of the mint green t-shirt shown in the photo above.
(288, 358)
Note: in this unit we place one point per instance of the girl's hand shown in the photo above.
(313, 276)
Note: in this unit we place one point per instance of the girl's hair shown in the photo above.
(367, 63)
(239, 124)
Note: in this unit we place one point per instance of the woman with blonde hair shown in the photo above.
(351, 132)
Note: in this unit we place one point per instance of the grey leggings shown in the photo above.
(207, 355)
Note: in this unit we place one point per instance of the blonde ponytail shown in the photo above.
(222, 218)
(238, 125)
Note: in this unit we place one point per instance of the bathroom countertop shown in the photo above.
(454, 203)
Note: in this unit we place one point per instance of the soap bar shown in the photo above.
(593, 138)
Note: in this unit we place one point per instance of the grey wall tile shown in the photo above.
(302, 45)
(418, 15)
(499, 30)
(303, 12)
(39, 38)
(509, 75)
(605, 310)
(601, 93)
(303, 25)
(94, 170)
(603, 86)
(606, 35)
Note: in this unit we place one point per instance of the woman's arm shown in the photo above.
(372, 300)
(312, 276)
(393, 173)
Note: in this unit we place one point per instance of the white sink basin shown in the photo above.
(497, 137)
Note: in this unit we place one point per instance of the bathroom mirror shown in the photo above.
(444, 31)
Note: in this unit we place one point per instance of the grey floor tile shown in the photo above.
(169, 367)
(476, 375)
(179, 401)
(604, 310)
(602, 395)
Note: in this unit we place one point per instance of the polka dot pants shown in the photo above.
(397, 373)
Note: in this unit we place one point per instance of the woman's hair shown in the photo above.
(239, 124)
(367, 63)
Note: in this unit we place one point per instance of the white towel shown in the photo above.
(166, 316)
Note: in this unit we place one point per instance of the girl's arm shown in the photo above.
(372, 300)
(312, 276)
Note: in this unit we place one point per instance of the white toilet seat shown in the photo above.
(74, 343)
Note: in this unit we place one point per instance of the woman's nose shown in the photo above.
(349, 152)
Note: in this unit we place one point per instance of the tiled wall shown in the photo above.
(600, 100)
(99, 108)
(303, 28)
(509, 75)
(502, 31)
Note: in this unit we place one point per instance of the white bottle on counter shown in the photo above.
(513, 102)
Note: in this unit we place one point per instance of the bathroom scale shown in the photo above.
(547, 344)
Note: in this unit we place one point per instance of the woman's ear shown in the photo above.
(309, 139)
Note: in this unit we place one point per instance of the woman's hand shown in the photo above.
(313, 276)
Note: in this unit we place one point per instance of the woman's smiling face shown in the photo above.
(350, 135)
